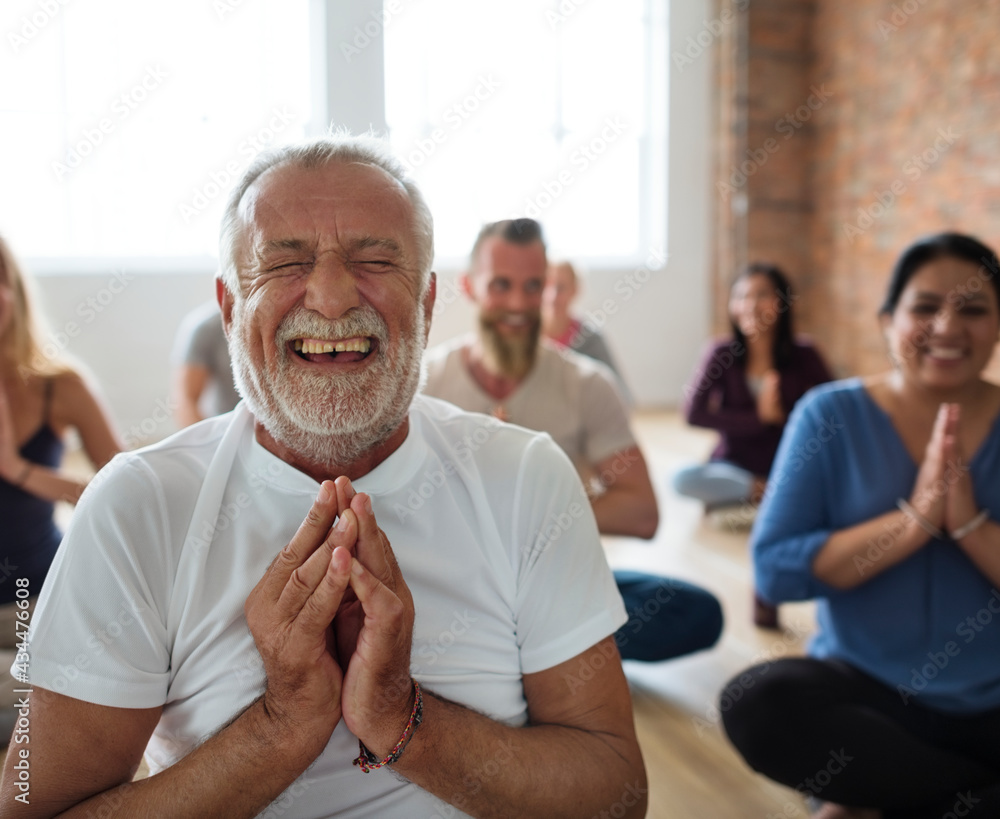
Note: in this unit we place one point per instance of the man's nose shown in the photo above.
(519, 301)
(331, 289)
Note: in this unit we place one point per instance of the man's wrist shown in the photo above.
(368, 759)
(274, 728)
(395, 713)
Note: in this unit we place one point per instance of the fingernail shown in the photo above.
(356, 567)
(368, 504)
(341, 524)
(324, 493)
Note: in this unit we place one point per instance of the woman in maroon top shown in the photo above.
(745, 387)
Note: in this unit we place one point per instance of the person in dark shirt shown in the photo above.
(744, 388)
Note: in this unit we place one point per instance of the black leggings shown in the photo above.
(828, 730)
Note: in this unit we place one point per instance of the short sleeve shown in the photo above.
(567, 599)
(98, 633)
(605, 417)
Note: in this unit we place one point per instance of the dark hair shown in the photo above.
(784, 338)
(516, 231)
(936, 246)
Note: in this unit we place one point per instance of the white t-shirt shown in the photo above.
(570, 396)
(143, 605)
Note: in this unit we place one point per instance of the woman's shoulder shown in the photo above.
(848, 396)
(68, 384)
(70, 393)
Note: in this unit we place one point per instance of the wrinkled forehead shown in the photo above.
(332, 203)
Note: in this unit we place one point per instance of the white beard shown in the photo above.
(328, 419)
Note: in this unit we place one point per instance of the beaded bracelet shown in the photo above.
(971, 526)
(367, 761)
(922, 522)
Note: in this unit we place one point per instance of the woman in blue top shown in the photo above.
(40, 398)
(883, 504)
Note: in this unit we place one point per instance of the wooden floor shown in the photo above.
(693, 771)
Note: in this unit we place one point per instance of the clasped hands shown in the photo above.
(332, 619)
(943, 493)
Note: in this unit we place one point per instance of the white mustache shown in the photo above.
(360, 321)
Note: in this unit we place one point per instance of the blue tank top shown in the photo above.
(28, 530)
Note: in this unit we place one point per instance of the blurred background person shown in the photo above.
(891, 525)
(744, 388)
(41, 399)
(203, 376)
(562, 286)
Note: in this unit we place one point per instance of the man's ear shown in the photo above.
(465, 282)
(429, 297)
(225, 299)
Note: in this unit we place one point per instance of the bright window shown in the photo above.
(554, 110)
(126, 123)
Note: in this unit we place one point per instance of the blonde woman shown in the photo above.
(40, 399)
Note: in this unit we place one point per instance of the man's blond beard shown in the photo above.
(510, 357)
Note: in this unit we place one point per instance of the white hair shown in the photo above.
(334, 147)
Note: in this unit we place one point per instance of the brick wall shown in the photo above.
(885, 116)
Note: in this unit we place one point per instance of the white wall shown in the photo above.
(121, 325)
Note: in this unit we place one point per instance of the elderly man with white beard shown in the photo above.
(259, 605)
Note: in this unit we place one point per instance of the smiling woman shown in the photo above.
(892, 525)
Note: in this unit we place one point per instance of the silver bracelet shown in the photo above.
(971, 526)
(922, 522)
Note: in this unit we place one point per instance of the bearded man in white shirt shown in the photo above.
(340, 600)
